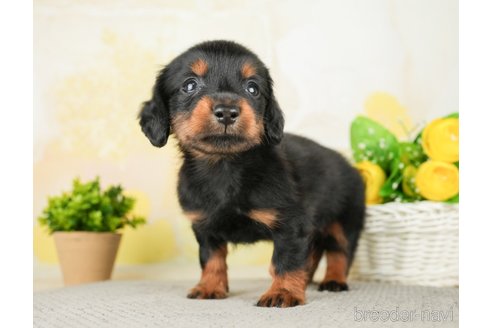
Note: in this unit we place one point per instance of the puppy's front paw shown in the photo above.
(280, 298)
(333, 286)
(201, 292)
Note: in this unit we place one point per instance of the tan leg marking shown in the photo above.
(286, 290)
(336, 231)
(213, 283)
(337, 267)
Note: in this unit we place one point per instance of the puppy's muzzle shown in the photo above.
(225, 114)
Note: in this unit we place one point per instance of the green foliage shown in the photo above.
(410, 156)
(370, 141)
(88, 208)
(454, 200)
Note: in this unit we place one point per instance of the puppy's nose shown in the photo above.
(226, 115)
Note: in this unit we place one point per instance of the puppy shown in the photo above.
(243, 180)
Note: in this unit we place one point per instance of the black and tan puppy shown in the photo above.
(243, 180)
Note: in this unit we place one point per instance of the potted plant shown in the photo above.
(84, 223)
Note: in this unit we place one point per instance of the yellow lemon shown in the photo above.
(374, 177)
(437, 180)
(440, 140)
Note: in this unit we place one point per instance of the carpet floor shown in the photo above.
(163, 304)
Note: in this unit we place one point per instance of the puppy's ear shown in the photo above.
(154, 120)
(273, 122)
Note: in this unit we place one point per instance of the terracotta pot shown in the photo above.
(86, 256)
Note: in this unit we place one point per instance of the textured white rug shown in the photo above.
(163, 304)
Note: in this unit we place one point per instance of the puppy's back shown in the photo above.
(326, 181)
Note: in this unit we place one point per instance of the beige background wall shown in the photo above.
(95, 62)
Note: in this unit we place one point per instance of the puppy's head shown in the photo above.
(217, 99)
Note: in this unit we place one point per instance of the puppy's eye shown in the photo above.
(190, 85)
(252, 88)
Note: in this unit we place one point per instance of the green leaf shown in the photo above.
(390, 189)
(396, 159)
(88, 208)
(454, 200)
(372, 142)
(408, 183)
(411, 154)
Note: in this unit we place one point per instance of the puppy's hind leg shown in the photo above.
(341, 244)
(336, 244)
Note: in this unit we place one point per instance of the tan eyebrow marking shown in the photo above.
(248, 70)
(199, 67)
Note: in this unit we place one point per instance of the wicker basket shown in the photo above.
(412, 243)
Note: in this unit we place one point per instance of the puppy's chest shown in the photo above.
(215, 189)
(233, 218)
(224, 203)
(234, 224)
